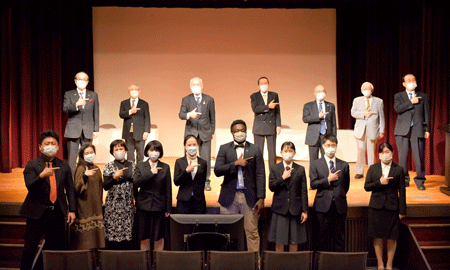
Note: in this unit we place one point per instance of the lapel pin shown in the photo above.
(204, 103)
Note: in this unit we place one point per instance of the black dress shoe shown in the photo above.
(421, 187)
(358, 176)
(406, 184)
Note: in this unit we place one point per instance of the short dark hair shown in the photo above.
(385, 145)
(156, 145)
(403, 78)
(188, 137)
(48, 133)
(118, 142)
(81, 161)
(263, 78)
(288, 144)
(238, 122)
(329, 137)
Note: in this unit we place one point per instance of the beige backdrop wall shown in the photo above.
(161, 49)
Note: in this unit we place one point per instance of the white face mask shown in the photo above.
(320, 96)
(81, 84)
(134, 94)
(287, 156)
(385, 158)
(264, 88)
(240, 136)
(411, 86)
(89, 158)
(119, 155)
(153, 155)
(191, 150)
(330, 151)
(367, 93)
(196, 90)
(49, 150)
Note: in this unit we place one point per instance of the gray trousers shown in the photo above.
(271, 144)
(205, 153)
(134, 145)
(73, 146)
(418, 149)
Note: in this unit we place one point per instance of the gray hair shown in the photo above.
(367, 84)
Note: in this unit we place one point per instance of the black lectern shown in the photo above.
(446, 129)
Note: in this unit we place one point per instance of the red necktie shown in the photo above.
(287, 168)
(52, 185)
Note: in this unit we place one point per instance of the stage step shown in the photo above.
(10, 255)
(434, 240)
(12, 231)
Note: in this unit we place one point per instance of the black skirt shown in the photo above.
(287, 229)
(383, 223)
(149, 225)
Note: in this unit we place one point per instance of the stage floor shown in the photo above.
(12, 188)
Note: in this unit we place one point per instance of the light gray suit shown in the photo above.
(367, 130)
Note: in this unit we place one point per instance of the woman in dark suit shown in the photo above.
(387, 203)
(154, 197)
(287, 180)
(190, 175)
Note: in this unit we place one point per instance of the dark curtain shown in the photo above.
(45, 43)
(381, 41)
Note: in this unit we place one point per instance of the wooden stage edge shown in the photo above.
(429, 203)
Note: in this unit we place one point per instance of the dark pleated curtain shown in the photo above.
(381, 41)
(45, 43)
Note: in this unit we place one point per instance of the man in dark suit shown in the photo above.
(83, 124)
(136, 123)
(244, 185)
(321, 119)
(50, 186)
(331, 177)
(199, 111)
(412, 128)
(267, 123)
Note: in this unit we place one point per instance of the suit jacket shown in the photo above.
(373, 125)
(266, 120)
(327, 191)
(290, 195)
(140, 120)
(419, 113)
(39, 188)
(311, 117)
(155, 190)
(185, 181)
(205, 124)
(254, 174)
(81, 120)
(391, 196)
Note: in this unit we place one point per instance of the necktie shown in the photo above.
(332, 168)
(133, 105)
(410, 97)
(367, 104)
(52, 185)
(265, 99)
(287, 168)
(323, 128)
(82, 97)
(199, 107)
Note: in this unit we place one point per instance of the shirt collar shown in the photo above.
(327, 159)
(200, 96)
(290, 165)
(412, 92)
(137, 100)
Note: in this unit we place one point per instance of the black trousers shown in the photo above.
(418, 149)
(271, 144)
(73, 146)
(329, 224)
(193, 206)
(134, 145)
(52, 225)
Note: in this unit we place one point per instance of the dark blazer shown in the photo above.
(185, 181)
(155, 191)
(39, 189)
(290, 195)
(311, 117)
(254, 174)
(391, 196)
(419, 113)
(82, 120)
(266, 120)
(327, 191)
(205, 124)
(140, 120)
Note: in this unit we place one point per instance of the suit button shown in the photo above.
(288, 191)
(288, 199)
